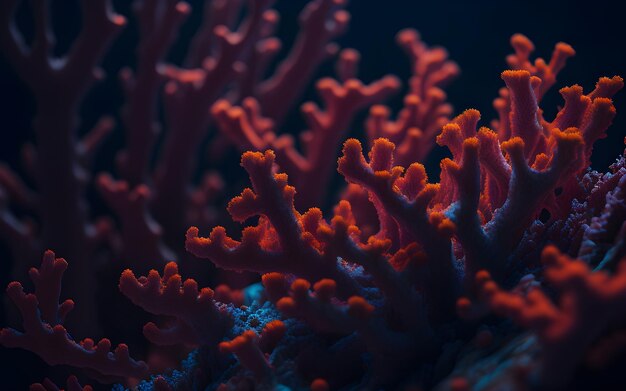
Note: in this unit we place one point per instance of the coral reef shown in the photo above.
(402, 285)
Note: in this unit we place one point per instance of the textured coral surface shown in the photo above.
(346, 264)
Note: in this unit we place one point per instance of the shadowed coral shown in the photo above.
(425, 109)
(199, 319)
(312, 169)
(251, 348)
(45, 335)
(587, 306)
(277, 240)
(58, 87)
(48, 385)
(430, 235)
(389, 289)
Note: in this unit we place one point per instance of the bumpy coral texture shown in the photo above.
(391, 289)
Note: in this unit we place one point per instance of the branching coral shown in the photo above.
(48, 385)
(429, 235)
(386, 291)
(45, 335)
(58, 87)
(198, 319)
(587, 306)
(425, 108)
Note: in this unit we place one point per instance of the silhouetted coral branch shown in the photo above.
(45, 335)
(48, 385)
(199, 319)
(587, 306)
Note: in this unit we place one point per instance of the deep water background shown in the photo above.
(476, 34)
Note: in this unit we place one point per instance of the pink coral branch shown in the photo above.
(89, 144)
(18, 233)
(546, 72)
(467, 220)
(216, 13)
(244, 125)
(319, 312)
(523, 117)
(47, 281)
(35, 64)
(272, 333)
(485, 191)
(259, 59)
(564, 163)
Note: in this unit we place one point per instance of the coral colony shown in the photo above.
(508, 274)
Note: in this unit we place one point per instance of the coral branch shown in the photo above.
(402, 204)
(342, 239)
(279, 242)
(246, 348)
(45, 335)
(425, 109)
(588, 304)
(158, 23)
(48, 385)
(137, 226)
(547, 72)
(311, 169)
(321, 21)
(199, 319)
(58, 86)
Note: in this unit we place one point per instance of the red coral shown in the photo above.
(392, 350)
(137, 226)
(58, 86)
(311, 169)
(45, 335)
(425, 109)
(252, 350)
(198, 318)
(158, 24)
(492, 211)
(402, 203)
(319, 385)
(271, 335)
(588, 304)
(280, 242)
(48, 385)
(546, 72)
(246, 348)
(319, 312)
(389, 264)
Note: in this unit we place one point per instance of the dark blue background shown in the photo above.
(476, 33)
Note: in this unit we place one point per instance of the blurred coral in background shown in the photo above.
(503, 270)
